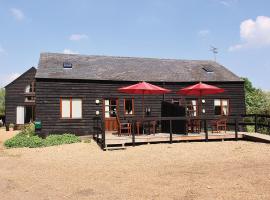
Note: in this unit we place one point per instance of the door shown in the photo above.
(29, 114)
(20, 115)
(110, 107)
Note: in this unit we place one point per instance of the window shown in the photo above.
(221, 106)
(129, 106)
(192, 108)
(29, 99)
(208, 69)
(30, 88)
(110, 106)
(67, 65)
(71, 108)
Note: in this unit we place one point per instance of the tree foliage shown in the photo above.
(257, 101)
(2, 101)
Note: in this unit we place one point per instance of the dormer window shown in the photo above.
(67, 65)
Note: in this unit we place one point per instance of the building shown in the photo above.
(69, 90)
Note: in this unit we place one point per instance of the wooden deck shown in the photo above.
(112, 139)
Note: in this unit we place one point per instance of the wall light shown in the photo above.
(203, 100)
(97, 101)
(97, 112)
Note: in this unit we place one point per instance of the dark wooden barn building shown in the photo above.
(20, 99)
(70, 90)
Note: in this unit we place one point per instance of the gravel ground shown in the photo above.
(199, 170)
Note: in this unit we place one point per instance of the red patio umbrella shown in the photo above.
(200, 89)
(143, 88)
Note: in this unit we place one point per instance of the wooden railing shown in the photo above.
(261, 123)
(235, 124)
(99, 131)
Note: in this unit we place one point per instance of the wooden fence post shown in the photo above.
(256, 123)
(268, 128)
(170, 131)
(133, 133)
(236, 129)
(206, 130)
(103, 139)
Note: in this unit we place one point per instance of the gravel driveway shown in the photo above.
(199, 170)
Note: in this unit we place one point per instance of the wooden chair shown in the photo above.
(123, 127)
(194, 126)
(153, 127)
(219, 125)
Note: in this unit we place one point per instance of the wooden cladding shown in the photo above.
(49, 91)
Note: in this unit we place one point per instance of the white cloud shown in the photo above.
(6, 79)
(203, 33)
(17, 14)
(77, 37)
(69, 51)
(228, 3)
(254, 34)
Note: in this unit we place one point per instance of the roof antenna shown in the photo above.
(214, 50)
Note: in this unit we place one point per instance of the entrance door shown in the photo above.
(110, 109)
(20, 115)
(29, 114)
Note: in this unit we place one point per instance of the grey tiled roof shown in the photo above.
(130, 69)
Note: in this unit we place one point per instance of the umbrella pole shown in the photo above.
(143, 112)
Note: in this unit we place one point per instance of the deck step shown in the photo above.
(115, 148)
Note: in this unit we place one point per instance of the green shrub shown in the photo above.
(28, 130)
(53, 140)
(24, 140)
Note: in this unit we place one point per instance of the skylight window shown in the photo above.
(208, 69)
(67, 65)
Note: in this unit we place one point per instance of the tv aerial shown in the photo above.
(214, 50)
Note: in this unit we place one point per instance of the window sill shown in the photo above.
(71, 118)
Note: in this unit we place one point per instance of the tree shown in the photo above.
(2, 101)
(257, 101)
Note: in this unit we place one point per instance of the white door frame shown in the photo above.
(20, 112)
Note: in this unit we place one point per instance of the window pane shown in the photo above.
(217, 102)
(27, 89)
(107, 114)
(128, 106)
(76, 108)
(65, 108)
(107, 102)
(224, 102)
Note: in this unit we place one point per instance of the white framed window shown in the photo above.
(221, 107)
(71, 108)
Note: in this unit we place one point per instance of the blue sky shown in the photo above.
(240, 29)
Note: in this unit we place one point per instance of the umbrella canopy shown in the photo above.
(200, 89)
(143, 88)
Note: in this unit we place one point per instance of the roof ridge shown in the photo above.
(128, 57)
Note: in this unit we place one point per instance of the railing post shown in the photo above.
(170, 131)
(206, 130)
(256, 123)
(268, 128)
(133, 133)
(236, 129)
(103, 139)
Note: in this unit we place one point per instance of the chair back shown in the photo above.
(118, 120)
(222, 121)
